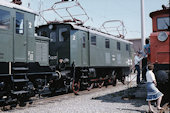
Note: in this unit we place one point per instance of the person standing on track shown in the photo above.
(152, 92)
(137, 60)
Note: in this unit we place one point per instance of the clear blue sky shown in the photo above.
(129, 11)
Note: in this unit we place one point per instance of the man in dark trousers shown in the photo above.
(137, 60)
(146, 54)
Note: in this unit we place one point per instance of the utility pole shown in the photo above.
(142, 25)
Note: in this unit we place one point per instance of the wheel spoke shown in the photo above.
(75, 87)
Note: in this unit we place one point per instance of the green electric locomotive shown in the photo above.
(90, 56)
(19, 50)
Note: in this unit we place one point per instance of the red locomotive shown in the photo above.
(160, 48)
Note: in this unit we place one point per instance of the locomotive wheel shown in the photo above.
(22, 103)
(76, 87)
(90, 86)
(100, 84)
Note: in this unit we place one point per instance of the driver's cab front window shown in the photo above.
(63, 34)
(19, 23)
(163, 23)
(4, 19)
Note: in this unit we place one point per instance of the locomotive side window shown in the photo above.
(84, 41)
(127, 47)
(43, 33)
(118, 45)
(4, 19)
(107, 43)
(93, 40)
(163, 23)
(53, 37)
(19, 23)
(63, 34)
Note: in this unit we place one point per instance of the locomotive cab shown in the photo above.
(59, 38)
(16, 33)
(17, 49)
(159, 39)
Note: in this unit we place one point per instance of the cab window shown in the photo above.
(63, 34)
(118, 46)
(107, 43)
(19, 23)
(4, 19)
(127, 47)
(93, 40)
(163, 23)
(84, 42)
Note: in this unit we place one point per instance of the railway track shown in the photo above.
(60, 96)
(42, 100)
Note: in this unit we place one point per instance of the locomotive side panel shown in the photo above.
(6, 35)
(97, 54)
(17, 36)
(160, 52)
(24, 46)
(42, 50)
(105, 51)
(30, 32)
(79, 48)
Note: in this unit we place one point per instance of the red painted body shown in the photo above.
(160, 51)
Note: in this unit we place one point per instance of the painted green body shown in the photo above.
(78, 46)
(17, 40)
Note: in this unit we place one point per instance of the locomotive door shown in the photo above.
(20, 41)
(84, 52)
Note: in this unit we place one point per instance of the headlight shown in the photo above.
(162, 36)
(2, 85)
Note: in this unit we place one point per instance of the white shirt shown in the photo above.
(137, 60)
(150, 77)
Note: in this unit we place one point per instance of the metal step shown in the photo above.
(84, 71)
(20, 80)
(84, 83)
(20, 68)
(19, 74)
(19, 92)
(84, 77)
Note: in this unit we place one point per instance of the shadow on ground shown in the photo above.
(124, 96)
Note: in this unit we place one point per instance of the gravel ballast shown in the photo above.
(105, 100)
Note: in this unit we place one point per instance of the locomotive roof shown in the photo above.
(15, 6)
(98, 32)
(88, 29)
(160, 12)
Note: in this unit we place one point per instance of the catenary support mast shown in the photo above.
(142, 24)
